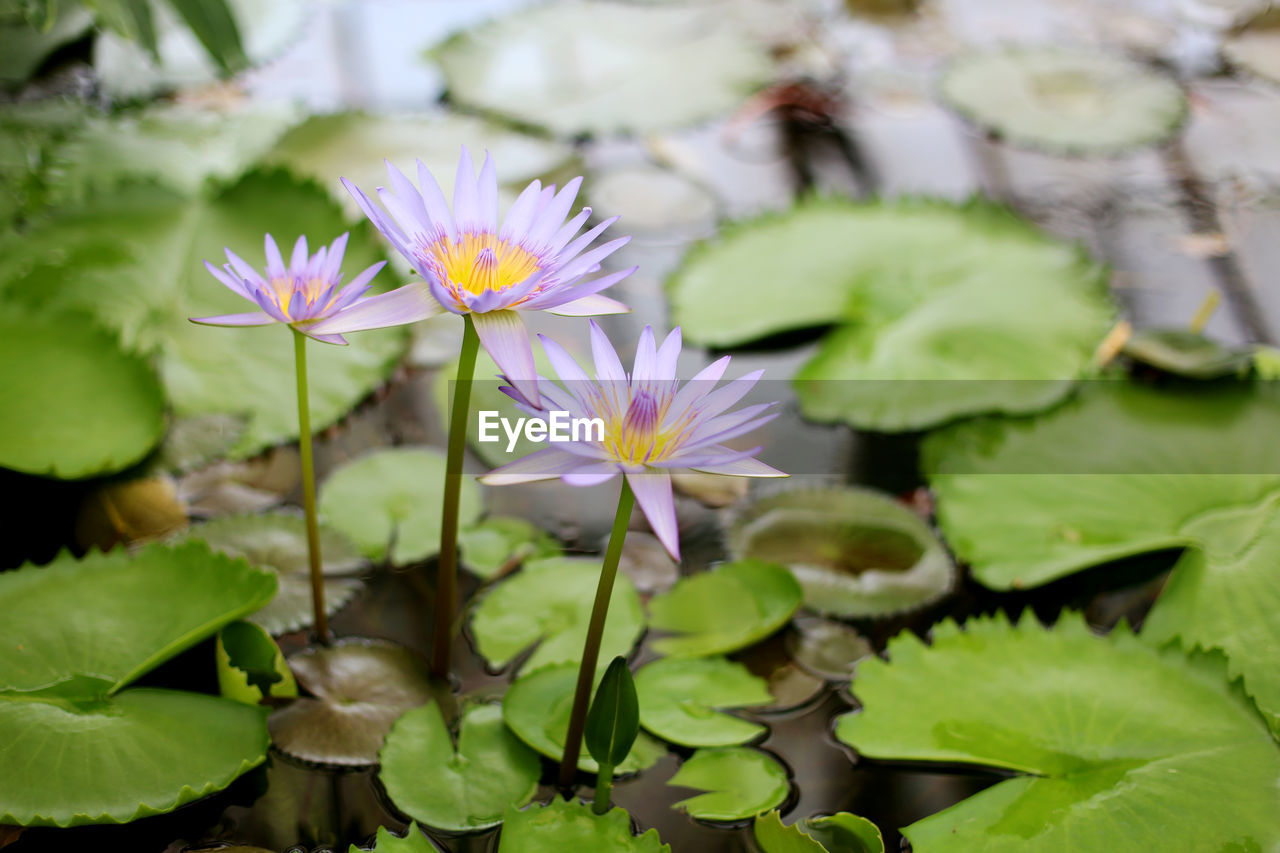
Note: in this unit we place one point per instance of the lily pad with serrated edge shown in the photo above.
(725, 609)
(389, 501)
(458, 788)
(1012, 698)
(739, 783)
(77, 634)
(413, 841)
(537, 707)
(1181, 352)
(578, 68)
(488, 547)
(682, 699)
(564, 825)
(922, 294)
(1255, 45)
(358, 688)
(1064, 100)
(838, 833)
(856, 553)
(250, 665)
(548, 605)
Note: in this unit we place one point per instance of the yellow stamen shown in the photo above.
(480, 262)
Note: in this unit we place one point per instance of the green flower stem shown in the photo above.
(447, 564)
(595, 629)
(321, 620)
(604, 788)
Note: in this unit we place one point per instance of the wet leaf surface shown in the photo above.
(724, 609)
(738, 783)
(682, 699)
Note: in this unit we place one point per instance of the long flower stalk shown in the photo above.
(321, 619)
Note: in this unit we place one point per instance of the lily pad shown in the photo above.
(575, 67)
(388, 502)
(131, 260)
(548, 604)
(537, 708)
(192, 443)
(855, 552)
(1065, 100)
(66, 372)
(564, 825)
(738, 782)
(1255, 46)
(923, 293)
(1181, 352)
(681, 700)
(413, 841)
(24, 46)
(250, 665)
(829, 650)
(837, 833)
(723, 610)
(277, 542)
(80, 745)
(457, 788)
(500, 543)
(358, 688)
(1081, 720)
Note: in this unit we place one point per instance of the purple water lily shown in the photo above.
(308, 294)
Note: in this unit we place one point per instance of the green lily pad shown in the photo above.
(548, 604)
(277, 542)
(738, 782)
(1255, 45)
(79, 745)
(192, 443)
(457, 788)
(250, 665)
(61, 372)
(389, 501)
(923, 293)
(564, 825)
(537, 708)
(1181, 352)
(576, 67)
(131, 259)
(29, 132)
(855, 552)
(723, 610)
(681, 700)
(413, 841)
(1081, 720)
(1065, 100)
(500, 542)
(837, 833)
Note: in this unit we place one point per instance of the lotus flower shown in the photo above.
(652, 424)
(536, 260)
(306, 294)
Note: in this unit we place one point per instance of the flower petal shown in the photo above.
(433, 198)
(589, 306)
(251, 318)
(408, 195)
(546, 464)
(505, 338)
(567, 367)
(653, 494)
(232, 282)
(487, 192)
(646, 358)
(559, 295)
(333, 260)
(407, 304)
(552, 217)
(298, 261)
(275, 263)
(608, 365)
(593, 474)
(337, 340)
(466, 199)
(748, 467)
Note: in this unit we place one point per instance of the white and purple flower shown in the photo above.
(653, 424)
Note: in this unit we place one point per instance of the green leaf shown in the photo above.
(489, 546)
(991, 299)
(29, 131)
(1110, 739)
(681, 698)
(1065, 100)
(548, 603)
(739, 783)
(564, 825)
(613, 721)
(23, 48)
(855, 552)
(192, 443)
(214, 24)
(837, 833)
(462, 788)
(775, 837)
(537, 708)
(67, 372)
(1181, 352)
(277, 542)
(586, 68)
(389, 501)
(78, 744)
(413, 841)
(133, 261)
(250, 665)
(724, 609)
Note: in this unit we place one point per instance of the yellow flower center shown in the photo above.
(480, 262)
(282, 290)
(636, 436)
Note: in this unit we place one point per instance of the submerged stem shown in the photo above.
(595, 630)
(309, 489)
(447, 564)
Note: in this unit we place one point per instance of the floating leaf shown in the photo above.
(192, 443)
(360, 688)
(388, 502)
(1065, 100)
(1182, 352)
(548, 604)
(856, 552)
(503, 542)
(67, 372)
(1082, 720)
(837, 833)
(29, 130)
(537, 708)
(1255, 46)
(413, 841)
(739, 783)
(681, 699)
(927, 293)
(462, 788)
(828, 649)
(576, 67)
(725, 609)
(564, 825)
(774, 837)
(79, 745)
(277, 542)
(250, 665)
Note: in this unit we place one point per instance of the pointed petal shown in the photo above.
(408, 195)
(575, 248)
(246, 272)
(668, 354)
(742, 468)
(608, 365)
(333, 261)
(653, 494)
(380, 220)
(589, 262)
(487, 192)
(505, 338)
(566, 366)
(558, 296)
(520, 214)
(646, 358)
(298, 261)
(544, 464)
(407, 304)
(550, 219)
(337, 340)
(251, 318)
(566, 232)
(589, 306)
(231, 281)
(466, 199)
(592, 474)
(275, 263)
(433, 198)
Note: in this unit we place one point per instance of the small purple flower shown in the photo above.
(308, 294)
(652, 424)
(535, 261)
